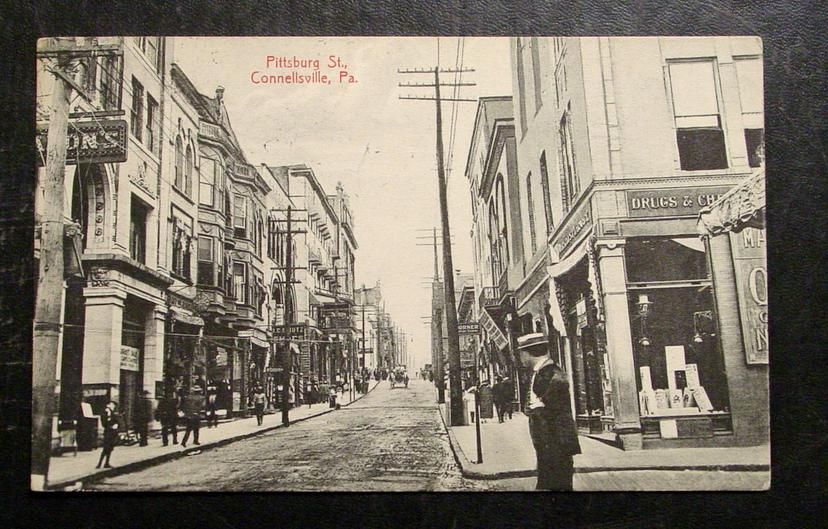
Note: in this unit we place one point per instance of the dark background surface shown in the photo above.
(797, 163)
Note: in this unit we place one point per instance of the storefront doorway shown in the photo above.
(133, 334)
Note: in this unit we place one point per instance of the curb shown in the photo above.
(464, 464)
(163, 458)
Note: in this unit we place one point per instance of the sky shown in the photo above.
(357, 131)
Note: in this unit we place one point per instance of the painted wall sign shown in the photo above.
(468, 328)
(575, 228)
(89, 142)
(672, 202)
(751, 271)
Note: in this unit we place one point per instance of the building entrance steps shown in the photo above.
(65, 471)
(508, 453)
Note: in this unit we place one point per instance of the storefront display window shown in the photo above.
(678, 360)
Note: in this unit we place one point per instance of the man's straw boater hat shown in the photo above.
(534, 343)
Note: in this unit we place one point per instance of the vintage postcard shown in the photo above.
(400, 264)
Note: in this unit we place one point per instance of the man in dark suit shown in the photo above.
(553, 430)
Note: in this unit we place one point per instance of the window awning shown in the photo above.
(558, 269)
(741, 207)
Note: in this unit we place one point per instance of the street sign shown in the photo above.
(89, 142)
(274, 370)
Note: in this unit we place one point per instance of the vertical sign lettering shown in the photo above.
(752, 288)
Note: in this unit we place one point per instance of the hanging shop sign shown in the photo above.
(573, 230)
(751, 271)
(89, 142)
(675, 202)
(468, 328)
(295, 331)
(130, 358)
(493, 331)
(221, 357)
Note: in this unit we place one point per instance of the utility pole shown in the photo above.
(456, 391)
(288, 357)
(48, 301)
(439, 376)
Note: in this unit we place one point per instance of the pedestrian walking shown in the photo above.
(192, 407)
(332, 398)
(212, 398)
(167, 415)
(143, 417)
(110, 424)
(497, 397)
(551, 426)
(508, 397)
(259, 401)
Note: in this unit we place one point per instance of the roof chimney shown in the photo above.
(219, 93)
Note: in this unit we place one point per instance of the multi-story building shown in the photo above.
(280, 312)
(233, 347)
(325, 297)
(498, 234)
(114, 312)
(368, 303)
(629, 139)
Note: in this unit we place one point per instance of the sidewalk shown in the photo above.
(67, 469)
(508, 453)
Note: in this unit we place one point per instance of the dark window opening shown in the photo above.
(701, 149)
(651, 260)
(755, 141)
(138, 232)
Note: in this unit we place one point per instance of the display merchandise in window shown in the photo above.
(679, 364)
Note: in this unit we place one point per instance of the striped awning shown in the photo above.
(741, 207)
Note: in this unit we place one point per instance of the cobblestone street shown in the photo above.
(391, 440)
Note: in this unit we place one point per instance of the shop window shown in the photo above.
(699, 132)
(654, 260)
(676, 348)
(206, 261)
(136, 113)
(138, 231)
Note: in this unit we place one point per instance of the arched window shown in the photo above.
(188, 173)
(179, 163)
